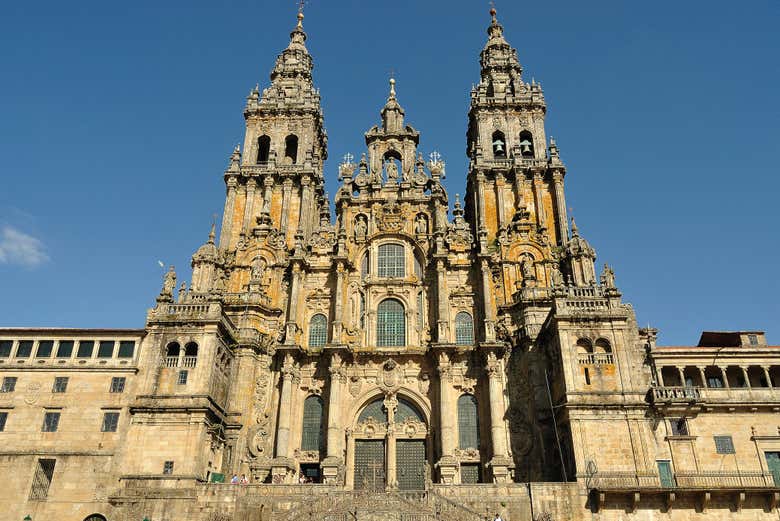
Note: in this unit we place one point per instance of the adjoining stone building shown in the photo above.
(395, 364)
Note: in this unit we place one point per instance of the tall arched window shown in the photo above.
(499, 144)
(464, 329)
(526, 144)
(190, 355)
(95, 517)
(375, 410)
(468, 422)
(390, 324)
(318, 330)
(172, 351)
(263, 149)
(311, 438)
(291, 148)
(390, 262)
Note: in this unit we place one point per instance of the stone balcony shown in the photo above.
(674, 395)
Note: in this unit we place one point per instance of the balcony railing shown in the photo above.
(189, 361)
(171, 361)
(705, 480)
(597, 359)
(677, 394)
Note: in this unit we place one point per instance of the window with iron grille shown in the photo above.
(85, 349)
(318, 331)
(110, 422)
(464, 329)
(126, 349)
(168, 467)
(3, 419)
(365, 266)
(182, 378)
(679, 426)
(117, 384)
(5, 348)
(468, 422)
(45, 348)
(106, 349)
(390, 262)
(51, 420)
(60, 384)
(724, 445)
(390, 323)
(420, 305)
(24, 350)
(9, 384)
(42, 479)
(469, 473)
(312, 424)
(753, 339)
(65, 349)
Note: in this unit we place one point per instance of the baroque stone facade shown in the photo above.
(396, 363)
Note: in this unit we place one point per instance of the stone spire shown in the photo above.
(392, 112)
(501, 69)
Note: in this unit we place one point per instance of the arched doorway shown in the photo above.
(388, 446)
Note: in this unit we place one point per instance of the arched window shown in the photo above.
(464, 329)
(190, 355)
(173, 349)
(406, 410)
(584, 346)
(95, 517)
(365, 266)
(390, 324)
(311, 438)
(318, 330)
(291, 148)
(526, 144)
(375, 410)
(499, 144)
(602, 346)
(390, 262)
(468, 422)
(263, 149)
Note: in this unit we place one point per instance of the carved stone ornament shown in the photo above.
(391, 217)
(424, 383)
(307, 456)
(355, 383)
(276, 239)
(391, 376)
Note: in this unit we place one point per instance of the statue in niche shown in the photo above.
(182, 291)
(361, 228)
(421, 225)
(527, 268)
(557, 277)
(391, 170)
(258, 268)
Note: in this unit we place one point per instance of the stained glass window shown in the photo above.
(318, 331)
(464, 329)
(312, 424)
(468, 422)
(390, 323)
(390, 262)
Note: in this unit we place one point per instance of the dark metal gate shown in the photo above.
(370, 464)
(410, 464)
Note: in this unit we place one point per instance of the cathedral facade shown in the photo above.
(419, 358)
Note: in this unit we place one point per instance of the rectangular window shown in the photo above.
(60, 384)
(42, 479)
(724, 445)
(106, 349)
(714, 382)
(9, 384)
(51, 420)
(118, 384)
(168, 467)
(469, 473)
(110, 422)
(65, 349)
(182, 378)
(85, 349)
(3, 419)
(753, 339)
(126, 349)
(5, 348)
(25, 349)
(679, 426)
(45, 348)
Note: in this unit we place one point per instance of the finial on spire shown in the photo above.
(213, 232)
(392, 87)
(301, 5)
(574, 229)
(493, 11)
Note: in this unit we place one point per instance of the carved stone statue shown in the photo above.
(258, 268)
(557, 277)
(361, 228)
(527, 267)
(608, 277)
(391, 169)
(169, 283)
(182, 291)
(421, 226)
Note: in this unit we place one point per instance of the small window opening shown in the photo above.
(168, 467)
(587, 376)
(291, 149)
(42, 479)
(263, 149)
(182, 380)
(679, 426)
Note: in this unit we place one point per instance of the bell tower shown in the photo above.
(279, 185)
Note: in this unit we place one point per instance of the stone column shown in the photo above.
(285, 219)
(251, 184)
(480, 200)
(702, 375)
(443, 298)
(338, 311)
(767, 376)
(291, 336)
(304, 220)
(335, 459)
(501, 462)
(390, 404)
(500, 180)
(447, 464)
(227, 216)
(290, 379)
(538, 186)
(268, 184)
(487, 295)
(560, 202)
(519, 181)
(682, 375)
(746, 377)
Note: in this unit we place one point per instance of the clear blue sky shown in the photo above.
(117, 120)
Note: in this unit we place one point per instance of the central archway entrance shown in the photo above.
(388, 445)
